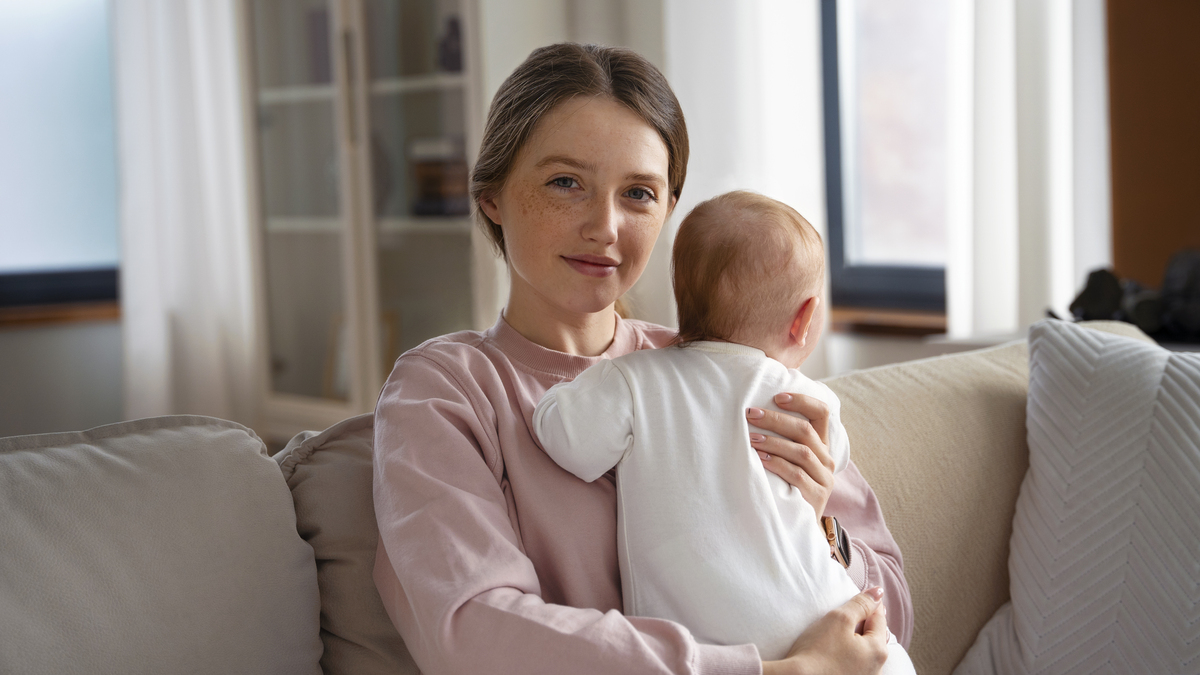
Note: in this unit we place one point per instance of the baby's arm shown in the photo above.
(586, 425)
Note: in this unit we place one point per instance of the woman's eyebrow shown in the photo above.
(569, 161)
(646, 177)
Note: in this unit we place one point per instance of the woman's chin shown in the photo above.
(591, 304)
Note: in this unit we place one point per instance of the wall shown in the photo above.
(63, 377)
(1154, 105)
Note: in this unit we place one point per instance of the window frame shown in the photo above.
(59, 287)
(872, 286)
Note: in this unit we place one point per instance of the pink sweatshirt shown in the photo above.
(492, 558)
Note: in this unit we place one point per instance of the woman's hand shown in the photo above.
(802, 456)
(850, 640)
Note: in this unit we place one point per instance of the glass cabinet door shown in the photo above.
(303, 228)
(418, 166)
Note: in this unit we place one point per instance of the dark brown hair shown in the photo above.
(554, 74)
(741, 265)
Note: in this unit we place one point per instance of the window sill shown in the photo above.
(859, 320)
(28, 316)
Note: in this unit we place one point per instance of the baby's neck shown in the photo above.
(781, 353)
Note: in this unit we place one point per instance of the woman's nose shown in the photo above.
(602, 222)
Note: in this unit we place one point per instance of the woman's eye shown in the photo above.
(564, 182)
(641, 194)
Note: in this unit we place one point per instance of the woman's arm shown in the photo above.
(876, 560)
(451, 569)
(804, 462)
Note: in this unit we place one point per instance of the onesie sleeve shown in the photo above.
(586, 425)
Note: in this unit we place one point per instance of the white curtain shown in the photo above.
(1030, 197)
(748, 75)
(186, 283)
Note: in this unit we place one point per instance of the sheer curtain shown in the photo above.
(186, 282)
(748, 76)
(1030, 199)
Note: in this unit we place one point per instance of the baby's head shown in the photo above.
(749, 269)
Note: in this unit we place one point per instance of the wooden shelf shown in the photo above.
(300, 93)
(40, 315)
(415, 83)
(886, 321)
(311, 93)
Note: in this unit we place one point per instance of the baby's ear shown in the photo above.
(803, 320)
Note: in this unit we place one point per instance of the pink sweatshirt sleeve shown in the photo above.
(450, 568)
(876, 560)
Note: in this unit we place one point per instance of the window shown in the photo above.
(58, 214)
(885, 78)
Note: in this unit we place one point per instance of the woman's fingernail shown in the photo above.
(754, 413)
(875, 592)
(764, 456)
(757, 438)
(783, 398)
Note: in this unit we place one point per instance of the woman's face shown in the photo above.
(582, 207)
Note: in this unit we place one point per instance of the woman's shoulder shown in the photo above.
(460, 357)
(650, 335)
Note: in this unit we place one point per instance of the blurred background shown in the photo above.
(250, 208)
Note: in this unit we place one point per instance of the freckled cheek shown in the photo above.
(543, 216)
(640, 242)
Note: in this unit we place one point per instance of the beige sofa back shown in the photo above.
(942, 442)
(161, 545)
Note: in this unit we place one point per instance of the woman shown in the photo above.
(491, 557)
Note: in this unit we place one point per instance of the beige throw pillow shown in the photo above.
(162, 545)
(329, 474)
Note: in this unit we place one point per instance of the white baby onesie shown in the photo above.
(706, 535)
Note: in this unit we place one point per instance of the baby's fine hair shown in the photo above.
(741, 265)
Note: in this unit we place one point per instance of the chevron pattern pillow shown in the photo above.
(1104, 560)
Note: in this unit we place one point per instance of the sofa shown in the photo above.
(177, 544)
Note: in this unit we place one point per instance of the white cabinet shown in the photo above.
(362, 118)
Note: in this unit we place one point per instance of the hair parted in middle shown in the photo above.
(554, 74)
(741, 266)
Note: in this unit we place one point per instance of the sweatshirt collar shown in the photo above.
(560, 364)
(725, 348)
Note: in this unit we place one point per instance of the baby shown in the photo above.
(706, 535)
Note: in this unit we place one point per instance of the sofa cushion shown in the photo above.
(154, 546)
(942, 443)
(1107, 527)
(329, 474)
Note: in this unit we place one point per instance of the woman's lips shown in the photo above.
(592, 265)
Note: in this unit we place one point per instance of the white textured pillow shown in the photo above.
(1105, 553)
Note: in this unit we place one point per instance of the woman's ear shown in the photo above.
(671, 205)
(490, 208)
(803, 320)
